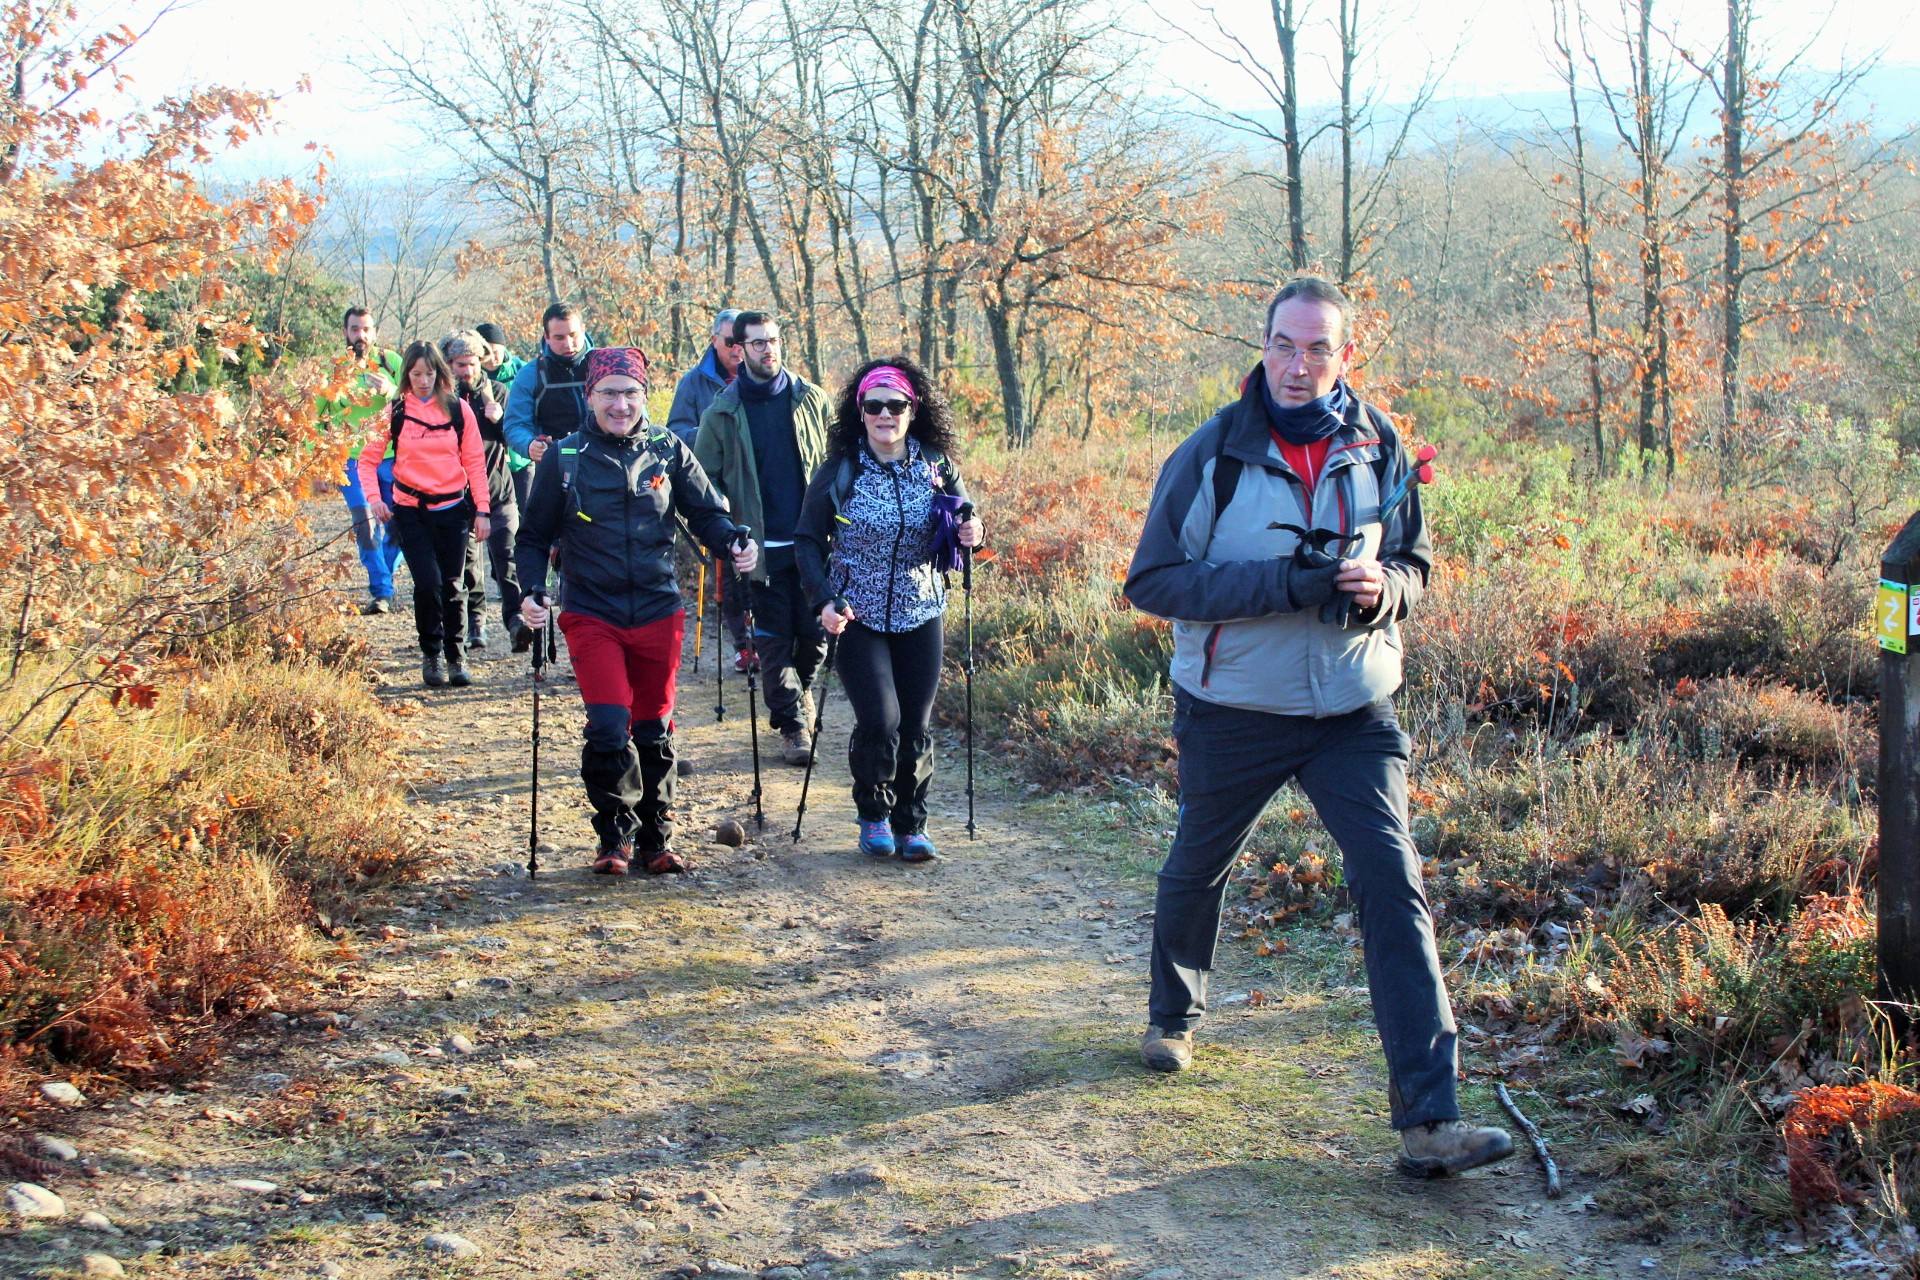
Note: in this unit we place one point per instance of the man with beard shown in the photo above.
(374, 383)
(696, 390)
(760, 442)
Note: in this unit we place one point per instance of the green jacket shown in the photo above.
(348, 413)
(724, 448)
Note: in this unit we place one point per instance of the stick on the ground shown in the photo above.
(1540, 1152)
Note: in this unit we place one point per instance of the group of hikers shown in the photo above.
(1285, 542)
(836, 515)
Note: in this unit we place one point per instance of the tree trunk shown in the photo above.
(1006, 364)
(1284, 27)
(1733, 142)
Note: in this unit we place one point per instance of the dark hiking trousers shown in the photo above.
(890, 679)
(787, 636)
(1354, 769)
(627, 762)
(435, 545)
(502, 527)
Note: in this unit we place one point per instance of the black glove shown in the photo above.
(1338, 612)
(1310, 581)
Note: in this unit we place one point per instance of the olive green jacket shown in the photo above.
(724, 448)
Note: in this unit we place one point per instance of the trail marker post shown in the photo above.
(1896, 622)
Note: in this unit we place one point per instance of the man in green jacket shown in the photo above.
(759, 442)
(369, 391)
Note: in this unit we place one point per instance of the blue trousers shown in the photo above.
(1353, 768)
(379, 549)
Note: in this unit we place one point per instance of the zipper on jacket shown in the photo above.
(899, 536)
(1206, 665)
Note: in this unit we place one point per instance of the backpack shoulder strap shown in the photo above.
(569, 448)
(842, 485)
(396, 418)
(1226, 473)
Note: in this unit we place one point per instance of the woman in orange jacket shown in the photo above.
(439, 490)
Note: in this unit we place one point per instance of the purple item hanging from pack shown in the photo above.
(946, 531)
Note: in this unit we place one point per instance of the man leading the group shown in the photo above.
(1286, 657)
(696, 390)
(609, 496)
(760, 441)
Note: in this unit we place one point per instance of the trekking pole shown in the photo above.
(819, 719)
(966, 661)
(699, 605)
(719, 614)
(543, 653)
(753, 678)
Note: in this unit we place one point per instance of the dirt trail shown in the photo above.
(795, 1061)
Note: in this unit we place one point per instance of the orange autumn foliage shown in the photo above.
(1815, 1114)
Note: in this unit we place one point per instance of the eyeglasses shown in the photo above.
(874, 408)
(1316, 357)
(608, 393)
(762, 344)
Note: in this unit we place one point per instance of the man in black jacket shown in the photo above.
(608, 495)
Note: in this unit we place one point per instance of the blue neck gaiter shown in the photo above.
(1312, 422)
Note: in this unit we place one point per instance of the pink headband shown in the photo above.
(886, 376)
(616, 362)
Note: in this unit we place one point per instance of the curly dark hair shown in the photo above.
(931, 423)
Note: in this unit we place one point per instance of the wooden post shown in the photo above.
(1895, 615)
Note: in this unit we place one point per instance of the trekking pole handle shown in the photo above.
(742, 534)
(966, 553)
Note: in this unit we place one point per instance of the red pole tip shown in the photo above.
(1424, 473)
(1427, 453)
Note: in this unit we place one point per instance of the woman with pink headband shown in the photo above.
(870, 514)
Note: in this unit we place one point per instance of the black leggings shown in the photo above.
(890, 679)
(435, 545)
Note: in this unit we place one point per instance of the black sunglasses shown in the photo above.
(894, 407)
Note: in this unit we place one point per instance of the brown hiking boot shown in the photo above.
(1451, 1146)
(795, 746)
(1167, 1050)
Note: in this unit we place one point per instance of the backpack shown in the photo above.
(398, 417)
(843, 477)
(542, 386)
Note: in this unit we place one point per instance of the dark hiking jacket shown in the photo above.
(614, 522)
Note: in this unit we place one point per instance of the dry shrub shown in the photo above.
(1725, 989)
(1876, 1116)
(157, 868)
(1628, 820)
(1755, 721)
(1791, 624)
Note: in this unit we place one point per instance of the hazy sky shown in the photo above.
(1495, 47)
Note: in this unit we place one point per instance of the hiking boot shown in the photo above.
(477, 634)
(457, 673)
(613, 861)
(796, 748)
(522, 637)
(433, 670)
(917, 848)
(1451, 1146)
(379, 604)
(876, 838)
(744, 659)
(1168, 1051)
